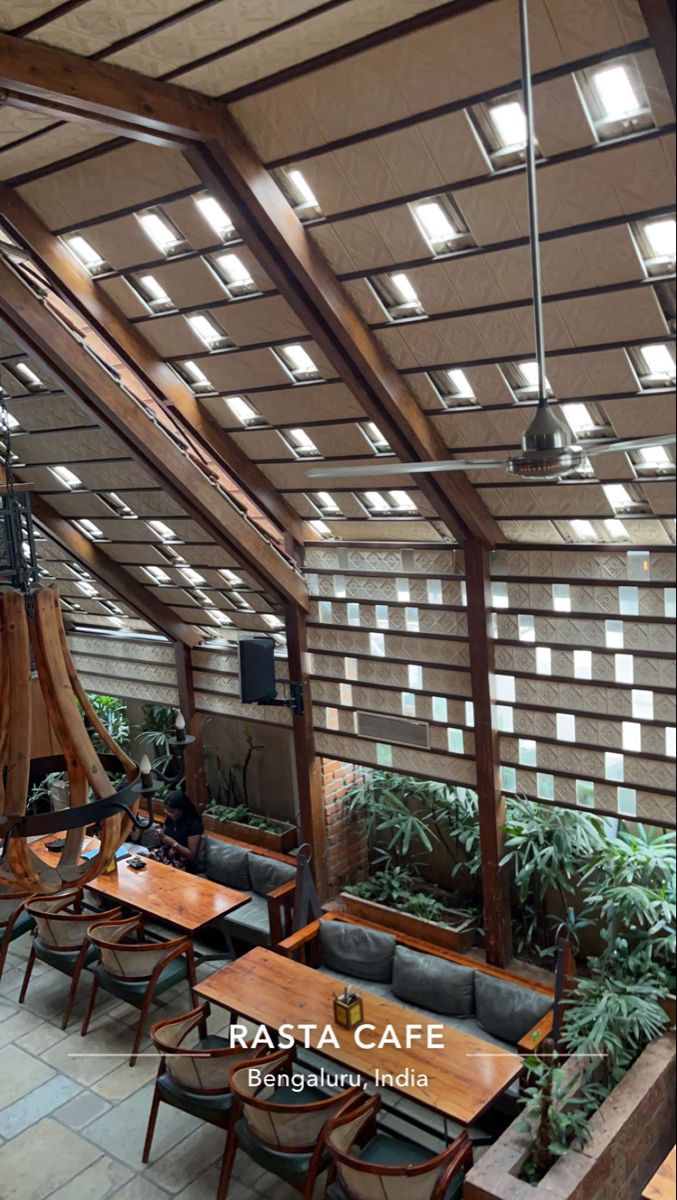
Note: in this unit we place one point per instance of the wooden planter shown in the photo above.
(630, 1136)
(283, 842)
(458, 936)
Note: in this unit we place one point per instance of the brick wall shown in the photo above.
(347, 847)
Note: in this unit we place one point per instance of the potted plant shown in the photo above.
(229, 812)
(393, 897)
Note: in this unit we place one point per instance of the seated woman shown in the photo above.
(181, 834)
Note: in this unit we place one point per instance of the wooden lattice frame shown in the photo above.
(43, 633)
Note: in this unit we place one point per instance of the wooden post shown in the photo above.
(495, 880)
(308, 774)
(659, 16)
(196, 780)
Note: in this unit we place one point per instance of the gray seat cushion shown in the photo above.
(373, 987)
(435, 983)
(506, 1010)
(227, 864)
(250, 923)
(356, 952)
(266, 874)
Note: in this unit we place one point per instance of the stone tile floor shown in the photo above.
(72, 1128)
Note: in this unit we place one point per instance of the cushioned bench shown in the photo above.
(262, 877)
(503, 1012)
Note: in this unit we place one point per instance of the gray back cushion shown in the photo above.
(506, 1010)
(434, 983)
(267, 874)
(356, 952)
(227, 864)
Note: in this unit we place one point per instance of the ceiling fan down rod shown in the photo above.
(532, 194)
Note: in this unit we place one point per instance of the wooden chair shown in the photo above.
(196, 1079)
(370, 1164)
(61, 940)
(279, 1129)
(14, 921)
(137, 971)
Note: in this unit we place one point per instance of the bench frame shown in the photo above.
(304, 947)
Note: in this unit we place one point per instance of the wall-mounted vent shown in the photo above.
(392, 730)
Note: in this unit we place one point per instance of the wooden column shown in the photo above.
(308, 774)
(659, 16)
(196, 779)
(495, 880)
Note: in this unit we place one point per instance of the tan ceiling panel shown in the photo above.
(559, 118)
(618, 316)
(595, 373)
(50, 147)
(14, 13)
(318, 35)
(661, 496)
(264, 320)
(69, 447)
(101, 475)
(531, 531)
(57, 412)
(122, 242)
(92, 26)
(558, 500)
(583, 28)
(132, 175)
(15, 123)
(644, 417)
(235, 372)
(294, 405)
(262, 444)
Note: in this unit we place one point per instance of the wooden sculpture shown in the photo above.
(35, 624)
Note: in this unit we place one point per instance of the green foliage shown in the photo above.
(112, 712)
(558, 1105)
(614, 1018)
(157, 727)
(39, 797)
(383, 801)
(398, 887)
(244, 816)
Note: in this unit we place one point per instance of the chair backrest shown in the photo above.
(59, 926)
(137, 960)
(373, 1181)
(290, 1128)
(9, 902)
(203, 1071)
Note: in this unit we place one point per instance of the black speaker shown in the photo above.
(256, 659)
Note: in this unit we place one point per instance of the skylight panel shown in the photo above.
(395, 502)
(66, 477)
(230, 577)
(656, 244)
(8, 422)
(298, 363)
(152, 293)
(376, 501)
(243, 411)
(120, 508)
(209, 331)
(299, 193)
(218, 617)
(398, 296)
(656, 365)
(195, 376)
(615, 99)
(301, 444)
(522, 378)
(163, 531)
(89, 529)
(163, 232)
(216, 217)
(453, 388)
(616, 529)
(191, 575)
(441, 224)
(502, 128)
(157, 575)
(321, 528)
(326, 504)
(234, 275)
(273, 621)
(579, 418)
(86, 253)
(402, 500)
(88, 589)
(28, 376)
(584, 531)
(652, 460)
(376, 440)
(619, 497)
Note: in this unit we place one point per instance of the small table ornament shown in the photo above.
(348, 1008)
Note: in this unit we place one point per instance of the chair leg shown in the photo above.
(71, 999)
(90, 1007)
(152, 1118)
(27, 975)
(143, 1018)
(230, 1150)
(4, 947)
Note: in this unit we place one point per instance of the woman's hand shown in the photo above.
(167, 840)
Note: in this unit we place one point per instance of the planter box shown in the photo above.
(459, 937)
(630, 1136)
(282, 842)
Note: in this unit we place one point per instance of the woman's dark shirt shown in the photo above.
(181, 830)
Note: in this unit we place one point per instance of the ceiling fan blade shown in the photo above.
(384, 469)
(618, 447)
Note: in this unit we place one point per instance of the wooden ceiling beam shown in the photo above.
(226, 163)
(115, 577)
(61, 352)
(110, 321)
(659, 16)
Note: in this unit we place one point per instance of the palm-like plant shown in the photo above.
(383, 801)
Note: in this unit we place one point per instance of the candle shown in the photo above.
(146, 772)
(180, 727)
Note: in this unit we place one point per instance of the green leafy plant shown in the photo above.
(612, 1018)
(400, 888)
(558, 1104)
(40, 795)
(243, 815)
(157, 727)
(384, 801)
(112, 712)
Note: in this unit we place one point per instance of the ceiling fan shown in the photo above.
(549, 448)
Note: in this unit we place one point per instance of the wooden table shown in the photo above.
(663, 1186)
(463, 1078)
(176, 897)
